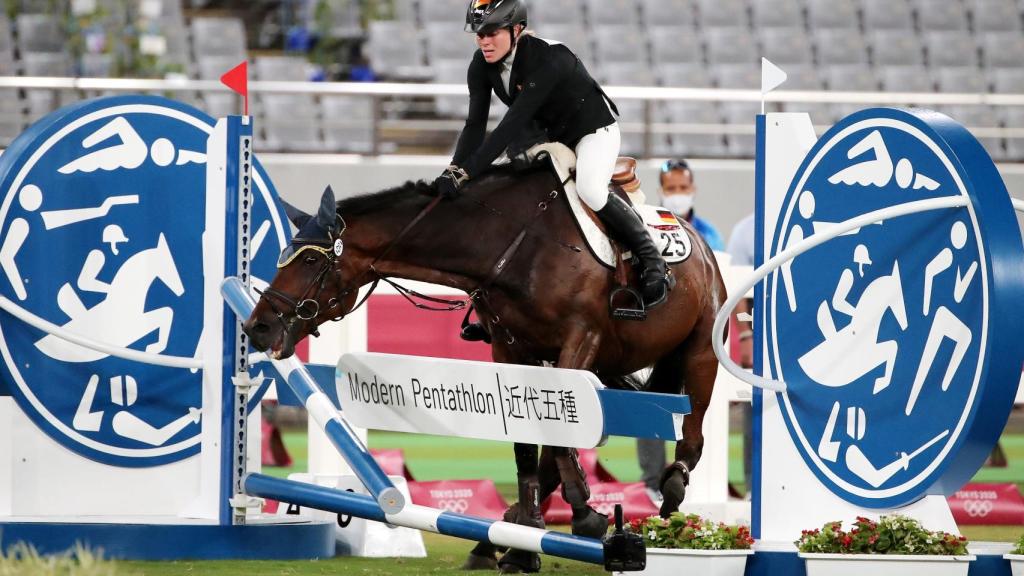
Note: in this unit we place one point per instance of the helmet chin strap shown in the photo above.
(512, 46)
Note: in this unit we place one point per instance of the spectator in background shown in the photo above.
(678, 191)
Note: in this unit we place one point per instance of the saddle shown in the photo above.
(673, 239)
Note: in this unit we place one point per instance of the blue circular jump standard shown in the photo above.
(897, 341)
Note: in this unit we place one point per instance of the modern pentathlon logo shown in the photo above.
(101, 231)
(894, 339)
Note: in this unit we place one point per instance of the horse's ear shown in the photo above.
(327, 214)
(297, 217)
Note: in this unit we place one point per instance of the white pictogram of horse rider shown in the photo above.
(121, 318)
(945, 324)
(124, 392)
(846, 355)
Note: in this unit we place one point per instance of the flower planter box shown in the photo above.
(1016, 563)
(674, 561)
(904, 565)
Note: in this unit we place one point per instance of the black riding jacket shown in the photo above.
(551, 89)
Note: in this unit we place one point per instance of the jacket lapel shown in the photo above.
(522, 53)
(494, 74)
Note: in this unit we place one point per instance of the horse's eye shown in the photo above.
(310, 260)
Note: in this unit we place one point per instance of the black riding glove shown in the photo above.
(450, 181)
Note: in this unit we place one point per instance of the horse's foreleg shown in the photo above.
(559, 465)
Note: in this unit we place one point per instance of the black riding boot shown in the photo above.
(626, 226)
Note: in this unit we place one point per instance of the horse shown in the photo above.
(510, 242)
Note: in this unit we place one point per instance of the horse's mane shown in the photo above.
(392, 197)
(398, 196)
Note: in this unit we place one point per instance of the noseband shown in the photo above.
(307, 308)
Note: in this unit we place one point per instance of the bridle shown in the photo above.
(308, 307)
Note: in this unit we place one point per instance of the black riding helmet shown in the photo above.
(484, 16)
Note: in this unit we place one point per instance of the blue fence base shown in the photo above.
(278, 541)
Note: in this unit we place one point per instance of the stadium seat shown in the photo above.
(574, 36)
(950, 48)
(445, 40)
(348, 123)
(992, 15)
(96, 65)
(672, 13)
(1002, 49)
(625, 74)
(832, 14)
(730, 46)
(8, 65)
(620, 44)
(283, 68)
(974, 117)
(961, 79)
(1013, 116)
(896, 48)
(290, 122)
(786, 46)
(218, 37)
(694, 145)
(344, 17)
(1007, 80)
(776, 14)
(613, 12)
(395, 50)
(806, 77)
(543, 14)
(897, 78)
(683, 74)
(451, 11)
(723, 13)
(853, 78)
(887, 15)
(39, 33)
(940, 15)
(449, 72)
(12, 116)
(670, 44)
(840, 46)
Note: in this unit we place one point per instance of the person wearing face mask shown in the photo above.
(551, 97)
(677, 194)
(678, 191)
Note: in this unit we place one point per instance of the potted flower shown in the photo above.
(689, 544)
(894, 545)
(1016, 558)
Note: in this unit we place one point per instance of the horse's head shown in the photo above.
(307, 290)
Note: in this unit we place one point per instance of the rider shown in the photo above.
(546, 87)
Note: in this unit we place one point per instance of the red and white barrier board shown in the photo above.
(603, 498)
(988, 504)
(473, 497)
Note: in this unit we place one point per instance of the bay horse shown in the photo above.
(512, 244)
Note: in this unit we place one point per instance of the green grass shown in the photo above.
(438, 458)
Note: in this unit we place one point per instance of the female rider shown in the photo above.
(546, 86)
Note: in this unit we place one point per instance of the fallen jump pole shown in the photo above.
(496, 532)
(320, 408)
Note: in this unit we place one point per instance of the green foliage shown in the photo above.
(1019, 548)
(690, 531)
(894, 534)
(22, 559)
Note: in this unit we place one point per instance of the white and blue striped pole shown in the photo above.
(430, 519)
(323, 412)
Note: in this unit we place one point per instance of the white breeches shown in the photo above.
(595, 163)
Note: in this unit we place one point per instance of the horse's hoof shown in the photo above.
(519, 561)
(673, 490)
(593, 525)
(478, 562)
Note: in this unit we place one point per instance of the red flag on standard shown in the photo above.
(238, 80)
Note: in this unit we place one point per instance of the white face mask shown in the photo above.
(678, 203)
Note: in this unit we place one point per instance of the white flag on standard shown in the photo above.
(771, 76)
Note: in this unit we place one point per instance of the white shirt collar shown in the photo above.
(506, 69)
